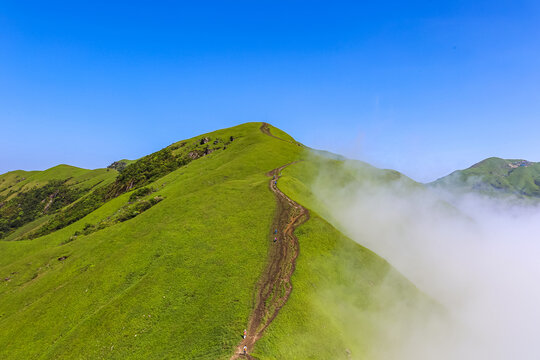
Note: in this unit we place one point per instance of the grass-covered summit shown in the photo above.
(496, 176)
(161, 258)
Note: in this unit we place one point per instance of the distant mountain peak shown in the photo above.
(496, 176)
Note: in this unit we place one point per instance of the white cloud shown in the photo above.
(482, 263)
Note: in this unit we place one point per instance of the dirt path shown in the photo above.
(266, 130)
(275, 286)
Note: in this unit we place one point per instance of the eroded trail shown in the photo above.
(275, 286)
(265, 128)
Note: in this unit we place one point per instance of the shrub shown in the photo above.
(140, 193)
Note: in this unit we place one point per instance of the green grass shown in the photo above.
(344, 295)
(178, 281)
(27, 198)
(27, 228)
(16, 181)
(191, 262)
(496, 177)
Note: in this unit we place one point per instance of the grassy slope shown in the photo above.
(19, 180)
(178, 280)
(190, 262)
(342, 292)
(496, 176)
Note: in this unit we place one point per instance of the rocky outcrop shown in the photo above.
(194, 155)
(118, 166)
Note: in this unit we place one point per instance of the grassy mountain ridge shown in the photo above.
(178, 280)
(28, 198)
(179, 276)
(344, 295)
(15, 182)
(74, 192)
(496, 176)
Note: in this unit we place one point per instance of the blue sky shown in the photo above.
(422, 87)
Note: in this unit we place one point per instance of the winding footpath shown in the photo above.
(274, 286)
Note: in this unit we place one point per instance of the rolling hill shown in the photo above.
(28, 197)
(496, 177)
(171, 256)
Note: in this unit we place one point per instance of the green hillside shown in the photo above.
(345, 297)
(162, 259)
(495, 176)
(27, 198)
(17, 181)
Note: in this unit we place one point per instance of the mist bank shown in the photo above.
(476, 256)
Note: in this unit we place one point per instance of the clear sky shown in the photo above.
(423, 87)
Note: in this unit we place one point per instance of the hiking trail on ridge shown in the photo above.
(274, 286)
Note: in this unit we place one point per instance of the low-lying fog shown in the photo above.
(482, 263)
